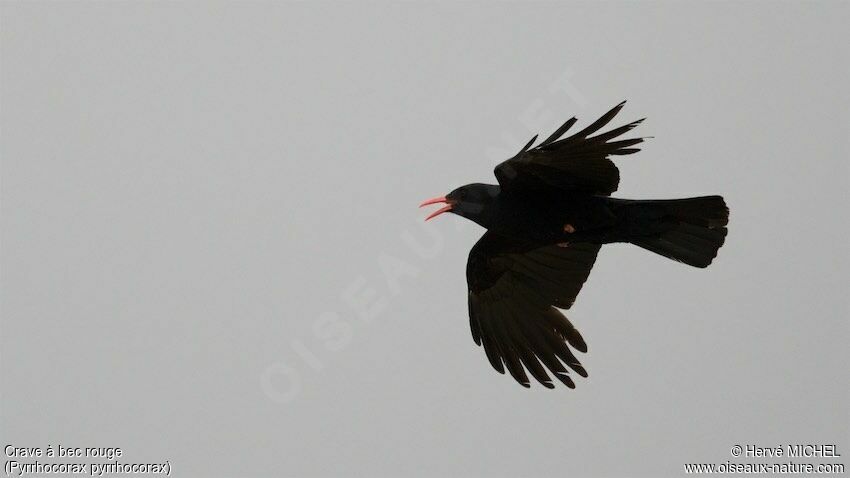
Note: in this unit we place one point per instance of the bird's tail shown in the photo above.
(686, 230)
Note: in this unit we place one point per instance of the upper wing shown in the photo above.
(578, 162)
(513, 291)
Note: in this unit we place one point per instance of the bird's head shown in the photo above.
(471, 201)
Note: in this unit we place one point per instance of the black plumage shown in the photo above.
(546, 221)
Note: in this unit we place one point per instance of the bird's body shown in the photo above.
(540, 217)
(546, 221)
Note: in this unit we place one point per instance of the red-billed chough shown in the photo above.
(545, 221)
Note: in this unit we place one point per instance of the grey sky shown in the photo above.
(202, 205)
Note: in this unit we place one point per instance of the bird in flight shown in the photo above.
(545, 221)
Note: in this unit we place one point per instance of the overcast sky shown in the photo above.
(211, 251)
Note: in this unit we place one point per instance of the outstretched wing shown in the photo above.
(514, 289)
(576, 163)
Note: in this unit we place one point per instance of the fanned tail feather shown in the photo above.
(693, 229)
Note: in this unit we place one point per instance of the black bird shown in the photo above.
(545, 221)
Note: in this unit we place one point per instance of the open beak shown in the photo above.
(438, 200)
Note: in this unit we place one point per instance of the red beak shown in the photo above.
(437, 200)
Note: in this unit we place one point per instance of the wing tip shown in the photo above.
(566, 380)
(579, 344)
